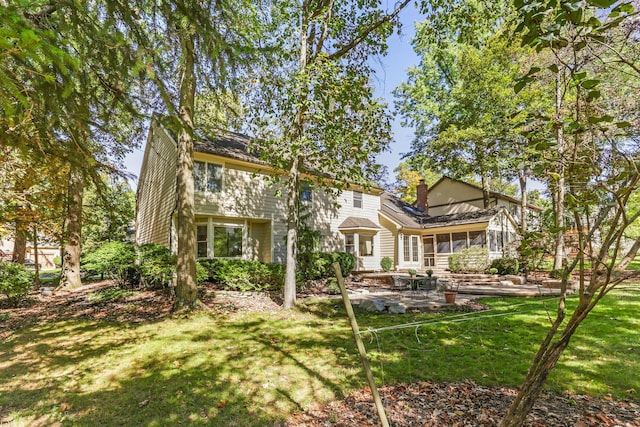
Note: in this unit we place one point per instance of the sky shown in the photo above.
(390, 72)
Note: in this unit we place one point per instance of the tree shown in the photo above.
(599, 171)
(459, 98)
(408, 176)
(313, 110)
(64, 72)
(108, 210)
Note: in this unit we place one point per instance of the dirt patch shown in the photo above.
(427, 404)
(131, 307)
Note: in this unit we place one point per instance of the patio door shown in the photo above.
(428, 249)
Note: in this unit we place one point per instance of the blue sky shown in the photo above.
(390, 72)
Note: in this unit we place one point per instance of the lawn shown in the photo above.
(257, 369)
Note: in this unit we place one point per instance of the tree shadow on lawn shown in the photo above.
(201, 371)
(251, 369)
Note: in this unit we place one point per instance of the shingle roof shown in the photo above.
(483, 215)
(355, 222)
(400, 212)
(227, 144)
(408, 216)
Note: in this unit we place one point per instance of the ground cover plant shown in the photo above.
(96, 361)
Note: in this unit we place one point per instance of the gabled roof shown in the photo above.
(407, 216)
(491, 193)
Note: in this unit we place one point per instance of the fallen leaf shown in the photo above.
(143, 403)
(221, 403)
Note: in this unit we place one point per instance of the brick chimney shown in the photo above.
(422, 192)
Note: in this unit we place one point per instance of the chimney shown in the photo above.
(421, 197)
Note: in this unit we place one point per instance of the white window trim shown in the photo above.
(211, 223)
(223, 167)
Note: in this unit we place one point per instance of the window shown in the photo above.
(459, 241)
(414, 248)
(365, 245)
(496, 240)
(444, 243)
(207, 177)
(227, 242)
(201, 241)
(477, 239)
(407, 249)
(350, 243)
(305, 192)
(357, 199)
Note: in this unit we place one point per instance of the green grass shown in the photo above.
(259, 369)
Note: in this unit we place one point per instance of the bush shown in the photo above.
(156, 265)
(15, 281)
(506, 265)
(557, 274)
(57, 261)
(386, 264)
(116, 260)
(469, 260)
(244, 275)
(201, 273)
(317, 265)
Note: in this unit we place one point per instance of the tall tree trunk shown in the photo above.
(560, 182)
(485, 191)
(19, 242)
(292, 234)
(524, 194)
(70, 274)
(36, 257)
(186, 287)
(294, 175)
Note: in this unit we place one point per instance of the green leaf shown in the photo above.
(622, 125)
(589, 84)
(519, 86)
(601, 3)
(553, 68)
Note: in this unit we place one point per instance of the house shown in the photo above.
(238, 211)
(240, 214)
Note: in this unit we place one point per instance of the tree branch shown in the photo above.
(355, 42)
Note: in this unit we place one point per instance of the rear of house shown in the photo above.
(240, 212)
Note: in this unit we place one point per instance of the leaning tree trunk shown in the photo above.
(186, 286)
(629, 256)
(70, 274)
(547, 358)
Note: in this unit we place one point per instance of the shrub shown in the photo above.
(493, 271)
(557, 274)
(317, 265)
(469, 260)
(116, 260)
(15, 281)
(386, 264)
(57, 261)
(201, 273)
(506, 265)
(156, 265)
(244, 275)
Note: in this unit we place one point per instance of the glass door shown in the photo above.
(428, 246)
